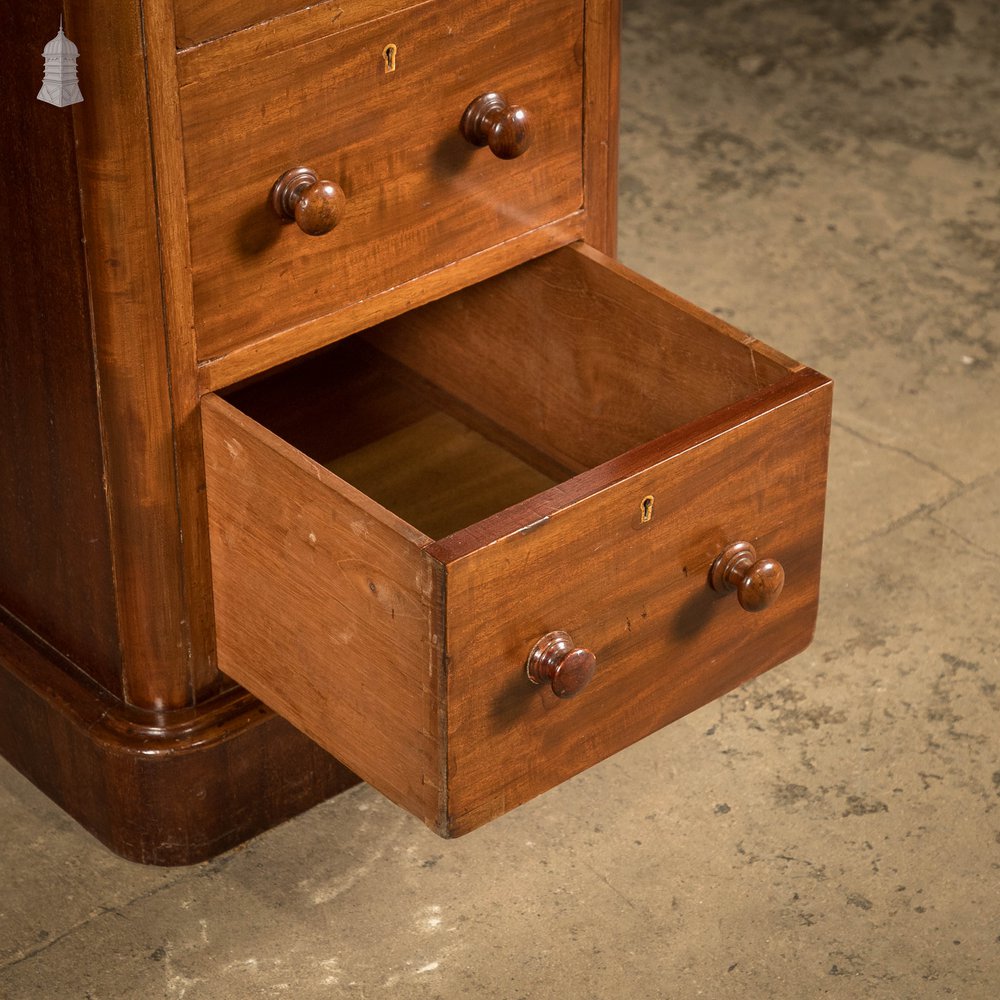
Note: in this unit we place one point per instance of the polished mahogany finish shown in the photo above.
(367, 535)
(110, 699)
(348, 527)
(567, 668)
(757, 582)
(315, 205)
(107, 619)
(200, 21)
(56, 566)
(426, 208)
(490, 121)
(161, 788)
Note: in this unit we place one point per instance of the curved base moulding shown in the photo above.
(170, 788)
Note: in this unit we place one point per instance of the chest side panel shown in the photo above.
(55, 559)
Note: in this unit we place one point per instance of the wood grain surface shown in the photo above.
(636, 595)
(279, 348)
(327, 608)
(105, 569)
(198, 21)
(130, 344)
(602, 49)
(181, 352)
(172, 788)
(100, 468)
(579, 355)
(55, 549)
(440, 475)
(414, 449)
(593, 367)
(419, 196)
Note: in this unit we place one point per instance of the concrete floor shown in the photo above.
(827, 176)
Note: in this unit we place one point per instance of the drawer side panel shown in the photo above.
(325, 608)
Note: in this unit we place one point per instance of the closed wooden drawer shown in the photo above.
(565, 448)
(419, 196)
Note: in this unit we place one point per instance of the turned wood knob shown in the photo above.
(490, 121)
(555, 659)
(315, 205)
(757, 582)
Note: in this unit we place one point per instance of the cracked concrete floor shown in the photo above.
(827, 176)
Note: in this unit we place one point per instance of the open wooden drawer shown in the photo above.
(396, 522)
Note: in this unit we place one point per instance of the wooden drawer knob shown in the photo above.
(490, 121)
(757, 582)
(555, 659)
(315, 205)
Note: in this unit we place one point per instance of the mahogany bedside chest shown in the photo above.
(337, 447)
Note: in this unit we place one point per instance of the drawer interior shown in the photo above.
(455, 412)
(412, 448)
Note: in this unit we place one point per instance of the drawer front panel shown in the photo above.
(638, 596)
(419, 196)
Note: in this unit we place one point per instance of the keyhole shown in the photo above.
(647, 509)
(389, 55)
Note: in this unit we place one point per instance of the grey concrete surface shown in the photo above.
(825, 175)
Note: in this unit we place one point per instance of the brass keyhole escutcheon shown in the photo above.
(647, 510)
(389, 55)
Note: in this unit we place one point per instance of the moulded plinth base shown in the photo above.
(167, 788)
